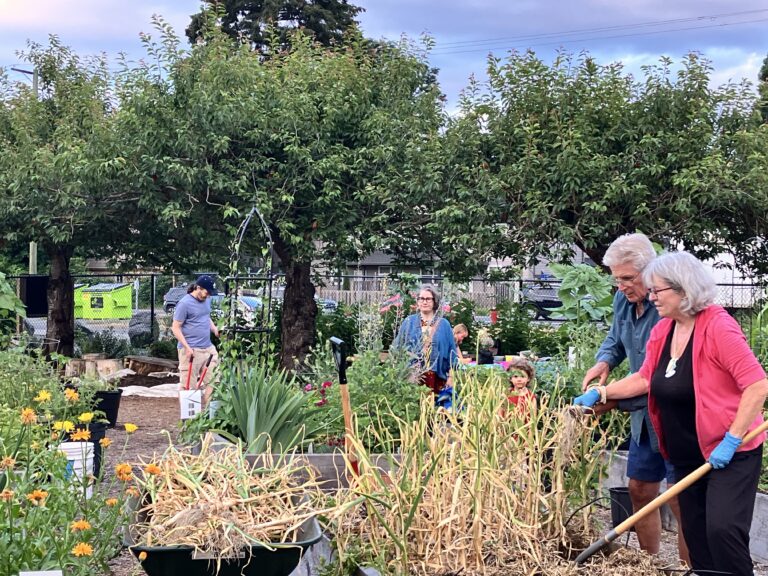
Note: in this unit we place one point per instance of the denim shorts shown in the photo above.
(645, 465)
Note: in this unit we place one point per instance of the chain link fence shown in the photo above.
(123, 314)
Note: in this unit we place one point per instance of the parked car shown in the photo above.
(248, 308)
(172, 297)
(542, 298)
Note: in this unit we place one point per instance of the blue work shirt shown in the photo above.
(195, 317)
(627, 339)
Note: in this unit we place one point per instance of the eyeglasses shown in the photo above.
(655, 291)
(624, 280)
(424, 298)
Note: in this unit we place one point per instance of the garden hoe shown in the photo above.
(341, 365)
(657, 502)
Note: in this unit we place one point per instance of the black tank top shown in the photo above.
(673, 392)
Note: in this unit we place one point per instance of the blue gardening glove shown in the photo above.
(588, 399)
(724, 451)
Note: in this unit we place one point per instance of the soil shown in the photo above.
(158, 420)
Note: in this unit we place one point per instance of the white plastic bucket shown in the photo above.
(190, 403)
(79, 464)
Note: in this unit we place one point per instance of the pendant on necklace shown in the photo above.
(671, 367)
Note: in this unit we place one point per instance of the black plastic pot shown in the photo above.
(621, 505)
(181, 561)
(108, 401)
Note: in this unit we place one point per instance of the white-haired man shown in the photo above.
(634, 317)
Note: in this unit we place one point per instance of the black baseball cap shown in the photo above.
(207, 282)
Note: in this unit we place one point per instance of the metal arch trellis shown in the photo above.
(264, 279)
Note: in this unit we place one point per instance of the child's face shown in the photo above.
(518, 378)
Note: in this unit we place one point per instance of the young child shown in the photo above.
(521, 375)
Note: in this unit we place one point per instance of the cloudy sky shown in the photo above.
(733, 35)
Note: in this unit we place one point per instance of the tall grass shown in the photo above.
(485, 489)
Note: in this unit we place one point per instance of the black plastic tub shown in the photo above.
(621, 505)
(261, 561)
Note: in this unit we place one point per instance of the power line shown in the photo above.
(448, 45)
(437, 52)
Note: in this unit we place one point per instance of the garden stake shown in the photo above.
(658, 502)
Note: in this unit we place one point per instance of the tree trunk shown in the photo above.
(297, 327)
(60, 333)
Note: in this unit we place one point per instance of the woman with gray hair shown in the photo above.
(706, 390)
(428, 338)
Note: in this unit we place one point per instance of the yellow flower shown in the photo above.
(85, 417)
(42, 396)
(28, 416)
(132, 491)
(37, 497)
(105, 442)
(71, 395)
(64, 425)
(6, 495)
(142, 556)
(7, 463)
(123, 472)
(130, 428)
(152, 468)
(81, 435)
(111, 502)
(79, 525)
(82, 549)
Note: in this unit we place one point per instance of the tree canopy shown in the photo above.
(273, 22)
(577, 153)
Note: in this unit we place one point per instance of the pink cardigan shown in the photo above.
(723, 366)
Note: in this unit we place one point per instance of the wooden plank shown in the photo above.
(144, 365)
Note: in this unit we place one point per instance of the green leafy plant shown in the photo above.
(586, 293)
(106, 342)
(268, 408)
(512, 328)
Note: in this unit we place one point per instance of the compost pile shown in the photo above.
(482, 490)
(220, 504)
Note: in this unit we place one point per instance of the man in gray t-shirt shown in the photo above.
(192, 327)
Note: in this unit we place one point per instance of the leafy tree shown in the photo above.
(59, 169)
(305, 136)
(325, 20)
(762, 88)
(579, 153)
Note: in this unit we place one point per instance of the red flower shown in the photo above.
(326, 384)
(321, 402)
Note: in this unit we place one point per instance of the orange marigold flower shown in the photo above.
(79, 525)
(6, 495)
(142, 555)
(37, 497)
(123, 471)
(132, 491)
(105, 442)
(71, 395)
(152, 468)
(82, 549)
(111, 502)
(130, 428)
(42, 396)
(81, 435)
(28, 416)
(7, 463)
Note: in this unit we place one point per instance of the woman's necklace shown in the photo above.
(676, 350)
